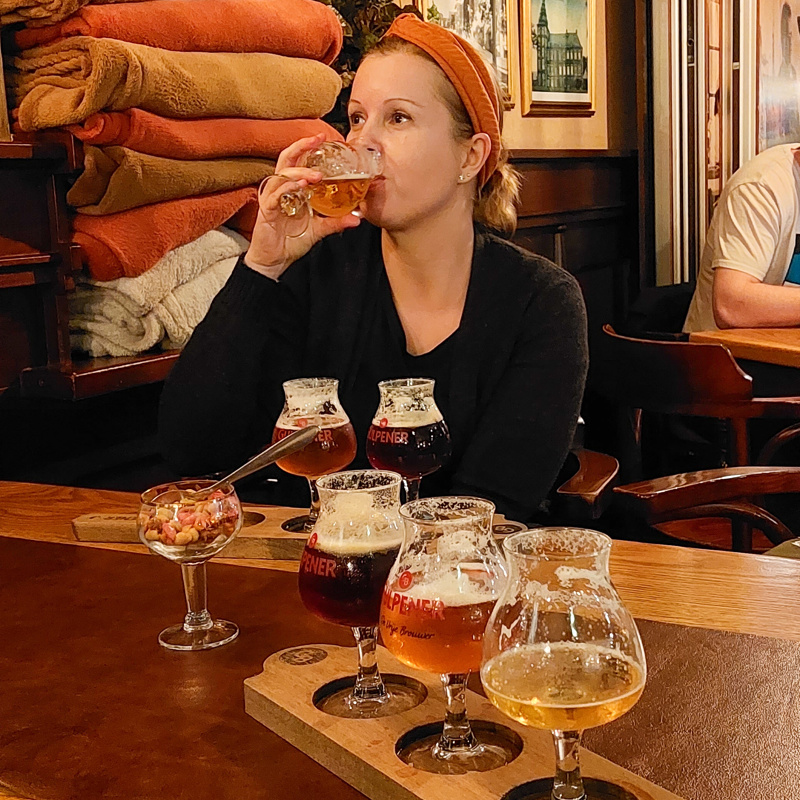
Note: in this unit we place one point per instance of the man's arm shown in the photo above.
(743, 301)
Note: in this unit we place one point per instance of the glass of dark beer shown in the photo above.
(408, 434)
(314, 401)
(342, 574)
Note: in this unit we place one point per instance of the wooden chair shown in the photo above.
(693, 379)
(719, 493)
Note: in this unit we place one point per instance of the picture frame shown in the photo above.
(777, 73)
(487, 24)
(558, 77)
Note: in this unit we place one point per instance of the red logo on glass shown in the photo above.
(312, 541)
(405, 580)
(384, 422)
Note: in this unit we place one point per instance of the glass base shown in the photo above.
(542, 789)
(176, 637)
(496, 747)
(301, 524)
(402, 694)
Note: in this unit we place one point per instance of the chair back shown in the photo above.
(669, 377)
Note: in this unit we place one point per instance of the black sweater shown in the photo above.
(509, 381)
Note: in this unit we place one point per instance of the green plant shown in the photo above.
(364, 22)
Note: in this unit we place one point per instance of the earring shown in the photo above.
(462, 178)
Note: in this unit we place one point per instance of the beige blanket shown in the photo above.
(42, 12)
(130, 315)
(116, 178)
(63, 83)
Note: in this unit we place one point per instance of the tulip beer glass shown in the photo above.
(438, 598)
(315, 401)
(561, 651)
(408, 434)
(347, 171)
(181, 523)
(343, 570)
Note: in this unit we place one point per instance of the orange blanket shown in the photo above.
(299, 28)
(197, 138)
(131, 242)
(41, 12)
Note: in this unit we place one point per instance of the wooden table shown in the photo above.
(769, 345)
(703, 589)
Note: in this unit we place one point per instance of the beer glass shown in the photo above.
(438, 598)
(343, 571)
(561, 651)
(178, 522)
(408, 434)
(347, 170)
(315, 401)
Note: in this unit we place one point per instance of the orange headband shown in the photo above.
(466, 70)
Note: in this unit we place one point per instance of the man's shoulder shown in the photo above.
(772, 169)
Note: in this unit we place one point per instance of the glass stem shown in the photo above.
(412, 488)
(457, 732)
(369, 683)
(313, 511)
(194, 585)
(567, 784)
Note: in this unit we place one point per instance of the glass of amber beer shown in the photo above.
(343, 570)
(561, 651)
(315, 401)
(408, 433)
(438, 598)
(347, 171)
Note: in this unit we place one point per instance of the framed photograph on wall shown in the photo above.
(778, 73)
(557, 55)
(484, 23)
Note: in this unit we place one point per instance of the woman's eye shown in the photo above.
(399, 116)
(356, 118)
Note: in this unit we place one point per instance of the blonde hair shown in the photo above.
(495, 203)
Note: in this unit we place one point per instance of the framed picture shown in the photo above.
(778, 73)
(485, 24)
(557, 51)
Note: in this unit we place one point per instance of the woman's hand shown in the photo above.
(275, 244)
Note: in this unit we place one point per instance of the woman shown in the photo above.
(413, 286)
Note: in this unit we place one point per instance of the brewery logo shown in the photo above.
(301, 423)
(312, 541)
(405, 580)
(384, 422)
(303, 656)
(504, 528)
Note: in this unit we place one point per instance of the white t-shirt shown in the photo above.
(753, 229)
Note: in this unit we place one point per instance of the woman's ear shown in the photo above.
(478, 149)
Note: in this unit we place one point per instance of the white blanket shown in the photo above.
(127, 316)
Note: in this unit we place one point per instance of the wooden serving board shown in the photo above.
(261, 535)
(362, 752)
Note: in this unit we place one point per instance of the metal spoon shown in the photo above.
(285, 447)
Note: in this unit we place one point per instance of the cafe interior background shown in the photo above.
(625, 119)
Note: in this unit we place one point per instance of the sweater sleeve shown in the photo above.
(223, 395)
(525, 432)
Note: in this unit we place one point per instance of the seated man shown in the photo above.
(749, 273)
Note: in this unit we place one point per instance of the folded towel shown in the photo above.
(42, 12)
(104, 323)
(197, 138)
(64, 83)
(116, 179)
(131, 242)
(298, 28)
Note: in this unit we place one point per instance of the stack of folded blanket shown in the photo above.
(182, 106)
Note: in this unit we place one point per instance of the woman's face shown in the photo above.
(395, 107)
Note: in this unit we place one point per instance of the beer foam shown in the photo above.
(351, 525)
(458, 587)
(408, 418)
(351, 176)
(304, 420)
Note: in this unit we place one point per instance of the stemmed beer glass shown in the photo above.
(181, 523)
(438, 598)
(343, 571)
(314, 401)
(347, 171)
(408, 434)
(561, 651)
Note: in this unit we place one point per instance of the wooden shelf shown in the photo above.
(46, 150)
(18, 254)
(96, 376)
